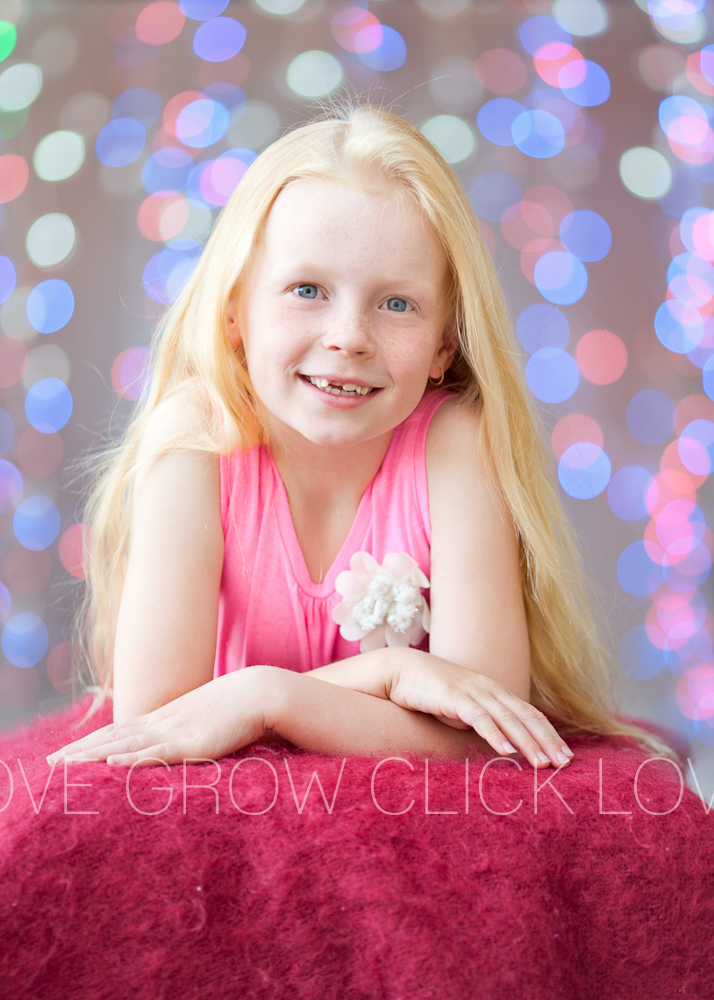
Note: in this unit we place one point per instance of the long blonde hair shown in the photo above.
(574, 678)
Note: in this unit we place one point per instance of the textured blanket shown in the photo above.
(277, 874)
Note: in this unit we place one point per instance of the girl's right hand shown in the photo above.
(461, 698)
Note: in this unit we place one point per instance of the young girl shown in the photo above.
(301, 534)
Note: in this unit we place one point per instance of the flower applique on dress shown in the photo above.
(383, 605)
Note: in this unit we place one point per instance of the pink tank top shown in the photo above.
(270, 611)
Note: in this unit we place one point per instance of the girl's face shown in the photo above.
(344, 314)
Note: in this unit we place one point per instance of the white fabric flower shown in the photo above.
(383, 605)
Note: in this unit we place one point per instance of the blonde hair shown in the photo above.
(573, 679)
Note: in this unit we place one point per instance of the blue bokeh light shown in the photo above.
(202, 123)
(636, 572)
(50, 305)
(25, 639)
(202, 10)
(586, 235)
(120, 142)
(538, 134)
(650, 416)
(219, 39)
(540, 30)
(140, 104)
(167, 272)
(492, 193)
(11, 486)
(560, 277)
(8, 279)
(540, 326)
(167, 170)
(48, 405)
(584, 470)
(36, 522)
(389, 55)
(495, 119)
(627, 492)
(552, 375)
(678, 326)
(594, 90)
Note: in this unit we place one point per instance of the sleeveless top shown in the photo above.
(270, 611)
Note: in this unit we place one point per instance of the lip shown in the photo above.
(339, 379)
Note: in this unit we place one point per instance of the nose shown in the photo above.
(350, 331)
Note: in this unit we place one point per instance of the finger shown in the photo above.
(149, 757)
(97, 738)
(101, 744)
(529, 729)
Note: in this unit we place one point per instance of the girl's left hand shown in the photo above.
(209, 722)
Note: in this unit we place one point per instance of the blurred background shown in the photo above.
(582, 131)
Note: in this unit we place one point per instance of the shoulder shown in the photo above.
(452, 443)
(181, 418)
(461, 486)
(175, 443)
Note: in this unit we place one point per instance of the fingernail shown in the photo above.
(53, 758)
(561, 758)
(542, 758)
(508, 748)
(567, 751)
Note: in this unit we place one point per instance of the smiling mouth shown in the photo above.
(338, 388)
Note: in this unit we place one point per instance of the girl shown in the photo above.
(294, 487)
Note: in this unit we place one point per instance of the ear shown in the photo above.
(234, 337)
(445, 354)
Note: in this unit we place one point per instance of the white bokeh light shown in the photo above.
(59, 155)
(314, 74)
(50, 239)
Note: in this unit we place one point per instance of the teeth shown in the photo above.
(347, 389)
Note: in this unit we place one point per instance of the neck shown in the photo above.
(321, 478)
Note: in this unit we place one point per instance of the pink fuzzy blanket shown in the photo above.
(278, 874)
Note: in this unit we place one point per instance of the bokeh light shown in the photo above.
(575, 428)
(314, 74)
(586, 235)
(584, 470)
(50, 305)
(219, 39)
(560, 277)
(11, 487)
(36, 522)
(451, 136)
(71, 549)
(159, 23)
(540, 326)
(24, 639)
(650, 416)
(120, 142)
(59, 155)
(50, 239)
(14, 174)
(582, 17)
(48, 405)
(601, 357)
(645, 172)
(501, 71)
(552, 375)
(20, 85)
(627, 492)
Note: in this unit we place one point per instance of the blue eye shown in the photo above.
(306, 291)
(396, 305)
